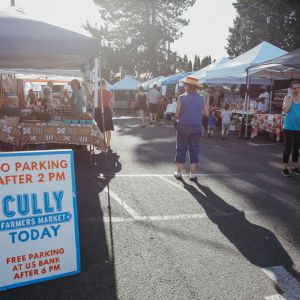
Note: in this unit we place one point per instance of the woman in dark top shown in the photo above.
(190, 110)
(141, 104)
(108, 125)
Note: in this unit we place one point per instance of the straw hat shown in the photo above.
(191, 81)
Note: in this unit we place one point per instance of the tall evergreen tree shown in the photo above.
(198, 63)
(136, 33)
(250, 26)
(195, 66)
(205, 61)
(190, 66)
(185, 63)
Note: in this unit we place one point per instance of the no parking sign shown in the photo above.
(38, 217)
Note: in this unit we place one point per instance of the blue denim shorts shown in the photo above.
(188, 139)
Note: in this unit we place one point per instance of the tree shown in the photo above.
(205, 61)
(197, 63)
(185, 63)
(135, 34)
(195, 66)
(190, 66)
(250, 26)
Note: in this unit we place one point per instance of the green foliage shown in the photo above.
(205, 61)
(190, 66)
(197, 63)
(135, 34)
(250, 26)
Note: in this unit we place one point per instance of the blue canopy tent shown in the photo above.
(169, 84)
(124, 91)
(149, 83)
(128, 83)
(174, 79)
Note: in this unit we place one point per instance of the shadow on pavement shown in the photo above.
(256, 243)
(131, 127)
(97, 278)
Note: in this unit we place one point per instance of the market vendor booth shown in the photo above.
(281, 71)
(31, 44)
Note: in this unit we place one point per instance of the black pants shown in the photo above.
(292, 144)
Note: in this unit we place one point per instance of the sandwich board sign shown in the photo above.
(38, 217)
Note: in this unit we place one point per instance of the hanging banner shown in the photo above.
(38, 217)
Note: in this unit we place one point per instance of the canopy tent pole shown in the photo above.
(97, 86)
(247, 102)
(96, 79)
(271, 95)
(102, 104)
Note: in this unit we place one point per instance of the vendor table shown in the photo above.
(55, 132)
(60, 133)
(267, 122)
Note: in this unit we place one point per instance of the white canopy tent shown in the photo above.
(128, 83)
(203, 73)
(235, 70)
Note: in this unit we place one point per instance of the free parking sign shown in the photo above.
(38, 217)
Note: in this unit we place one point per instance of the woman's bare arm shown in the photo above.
(205, 110)
(177, 109)
(287, 102)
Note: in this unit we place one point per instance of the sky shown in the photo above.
(206, 34)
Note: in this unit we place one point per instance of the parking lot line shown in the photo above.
(102, 175)
(181, 217)
(114, 196)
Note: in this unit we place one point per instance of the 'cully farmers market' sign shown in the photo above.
(38, 217)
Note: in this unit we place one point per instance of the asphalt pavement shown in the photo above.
(235, 234)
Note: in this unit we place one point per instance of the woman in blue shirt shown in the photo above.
(189, 114)
(291, 106)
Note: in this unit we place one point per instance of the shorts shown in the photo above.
(225, 127)
(188, 139)
(153, 108)
(211, 127)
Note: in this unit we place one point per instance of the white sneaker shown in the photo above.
(178, 175)
(193, 177)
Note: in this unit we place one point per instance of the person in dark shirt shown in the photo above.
(141, 104)
(46, 102)
(105, 95)
(76, 101)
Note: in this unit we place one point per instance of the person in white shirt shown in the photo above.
(226, 117)
(154, 98)
(263, 100)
